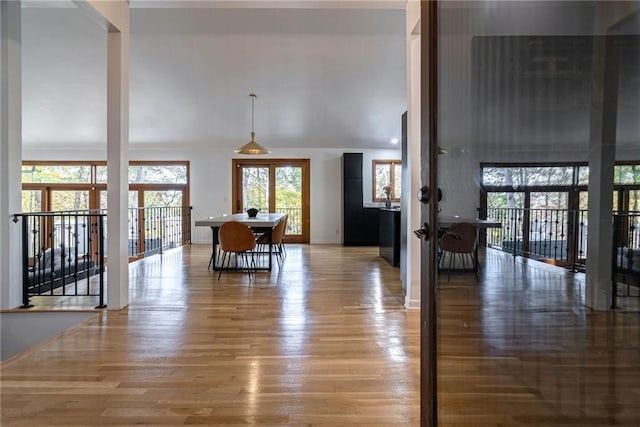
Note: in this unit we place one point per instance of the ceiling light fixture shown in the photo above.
(252, 147)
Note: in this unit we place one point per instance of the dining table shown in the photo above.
(262, 223)
(446, 221)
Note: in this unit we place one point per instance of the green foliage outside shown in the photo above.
(288, 192)
(385, 175)
(81, 174)
(63, 174)
(521, 177)
(288, 187)
(255, 188)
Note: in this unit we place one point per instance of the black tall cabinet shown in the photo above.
(359, 224)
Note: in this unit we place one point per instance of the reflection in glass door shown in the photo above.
(506, 208)
(634, 200)
(548, 225)
(502, 83)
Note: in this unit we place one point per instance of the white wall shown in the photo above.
(210, 190)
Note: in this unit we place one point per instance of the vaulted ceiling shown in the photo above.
(327, 74)
(324, 77)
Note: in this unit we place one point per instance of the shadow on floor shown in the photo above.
(22, 330)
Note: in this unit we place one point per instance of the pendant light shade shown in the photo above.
(252, 147)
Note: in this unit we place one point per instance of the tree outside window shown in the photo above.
(387, 173)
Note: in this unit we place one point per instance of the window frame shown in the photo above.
(96, 187)
(392, 164)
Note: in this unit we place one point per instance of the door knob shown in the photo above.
(423, 233)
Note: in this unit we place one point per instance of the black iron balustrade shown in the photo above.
(626, 252)
(558, 235)
(153, 230)
(62, 252)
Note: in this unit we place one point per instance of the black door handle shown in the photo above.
(423, 233)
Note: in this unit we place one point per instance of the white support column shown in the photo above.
(413, 268)
(10, 153)
(117, 167)
(602, 149)
(115, 16)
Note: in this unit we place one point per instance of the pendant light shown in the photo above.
(252, 147)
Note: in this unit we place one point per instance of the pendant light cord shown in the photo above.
(253, 98)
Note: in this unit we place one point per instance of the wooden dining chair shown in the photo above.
(459, 239)
(236, 238)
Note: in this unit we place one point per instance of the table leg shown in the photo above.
(214, 249)
(270, 248)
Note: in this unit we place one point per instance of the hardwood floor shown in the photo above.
(326, 341)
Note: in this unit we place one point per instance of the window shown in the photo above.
(70, 173)
(528, 176)
(387, 173)
(153, 173)
(78, 185)
(627, 173)
(158, 174)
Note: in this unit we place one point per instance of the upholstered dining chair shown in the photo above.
(459, 239)
(236, 238)
(277, 239)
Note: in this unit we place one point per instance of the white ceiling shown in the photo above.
(323, 77)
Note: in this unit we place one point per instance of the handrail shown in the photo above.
(550, 234)
(59, 251)
(63, 248)
(153, 230)
(626, 252)
(560, 235)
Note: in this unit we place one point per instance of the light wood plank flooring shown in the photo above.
(326, 341)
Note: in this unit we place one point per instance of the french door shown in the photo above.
(274, 185)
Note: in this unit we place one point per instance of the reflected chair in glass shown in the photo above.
(459, 239)
(236, 238)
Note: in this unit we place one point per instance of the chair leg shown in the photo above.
(224, 256)
(475, 265)
(246, 261)
(450, 265)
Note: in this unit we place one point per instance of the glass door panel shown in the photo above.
(70, 200)
(103, 199)
(507, 208)
(275, 185)
(163, 226)
(135, 220)
(548, 225)
(31, 200)
(634, 201)
(254, 188)
(514, 90)
(288, 195)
